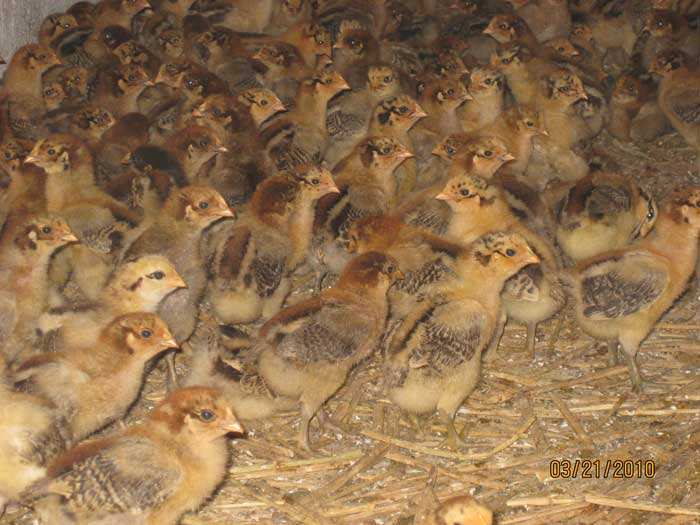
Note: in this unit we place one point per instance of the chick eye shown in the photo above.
(387, 80)
(203, 205)
(8, 155)
(488, 81)
(650, 214)
(403, 110)
(450, 150)
(190, 83)
(146, 334)
(450, 92)
(46, 230)
(506, 60)
(560, 49)
(529, 123)
(391, 268)
(207, 415)
(216, 112)
(157, 275)
(385, 150)
(488, 153)
(204, 143)
(510, 252)
(315, 182)
(131, 78)
(464, 192)
(503, 26)
(263, 102)
(52, 151)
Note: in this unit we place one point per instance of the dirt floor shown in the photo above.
(525, 421)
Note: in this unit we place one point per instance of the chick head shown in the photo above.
(44, 234)
(505, 28)
(198, 413)
(660, 23)
(565, 85)
(315, 181)
(446, 92)
(134, 7)
(201, 143)
(35, 57)
(502, 253)
(510, 55)
(13, 152)
(146, 280)
(328, 83)
(371, 271)
(94, 119)
(57, 25)
(316, 40)
(374, 233)
(563, 48)
(352, 38)
(529, 121)
(668, 61)
(485, 79)
(581, 33)
(463, 510)
(113, 36)
(171, 42)
(466, 191)
(383, 154)
(481, 156)
(262, 104)
(53, 154)
(627, 89)
(382, 79)
(292, 7)
(132, 77)
(685, 205)
(130, 52)
(398, 113)
(201, 205)
(75, 80)
(144, 334)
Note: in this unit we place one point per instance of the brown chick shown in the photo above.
(119, 89)
(157, 470)
(621, 294)
(138, 285)
(177, 234)
(521, 70)
(532, 295)
(506, 28)
(28, 243)
(602, 212)
(354, 51)
(486, 89)
(23, 90)
(425, 259)
(253, 264)
(32, 432)
(55, 27)
(434, 359)
(95, 385)
(440, 99)
(668, 30)
(300, 136)
(679, 97)
(634, 111)
(547, 19)
(459, 510)
(307, 350)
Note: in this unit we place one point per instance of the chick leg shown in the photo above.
(327, 422)
(453, 439)
(491, 351)
(172, 373)
(630, 353)
(531, 335)
(613, 356)
(307, 414)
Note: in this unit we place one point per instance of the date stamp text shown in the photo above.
(602, 469)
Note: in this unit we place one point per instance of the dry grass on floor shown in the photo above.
(567, 404)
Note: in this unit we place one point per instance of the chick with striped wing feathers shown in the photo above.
(94, 385)
(252, 265)
(533, 294)
(300, 136)
(28, 243)
(308, 349)
(679, 94)
(150, 473)
(601, 212)
(434, 359)
(621, 294)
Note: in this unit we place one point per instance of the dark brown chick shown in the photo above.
(307, 350)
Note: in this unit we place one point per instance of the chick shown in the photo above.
(157, 470)
(668, 30)
(459, 510)
(119, 89)
(532, 295)
(522, 71)
(28, 243)
(434, 358)
(307, 350)
(602, 212)
(31, 433)
(621, 294)
(486, 88)
(253, 264)
(441, 99)
(94, 385)
(137, 285)
(300, 136)
(177, 234)
(678, 95)
(634, 111)
(546, 18)
(506, 28)
(354, 51)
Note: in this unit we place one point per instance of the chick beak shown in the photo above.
(406, 155)
(488, 31)
(343, 85)
(533, 259)
(466, 97)
(69, 237)
(330, 187)
(442, 196)
(31, 159)
(197, 113)
(437, 150)
(278, 107)
(227, 212)
(170, 343)
(544, 132)
(149, 83)
(231, 424)
(222, 149)
(419, 113)
(399, 275)
(507, 157)
(177, 282)
(126, 160)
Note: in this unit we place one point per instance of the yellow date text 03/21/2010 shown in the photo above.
(602, 469)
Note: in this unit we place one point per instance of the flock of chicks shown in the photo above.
(175, 172)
